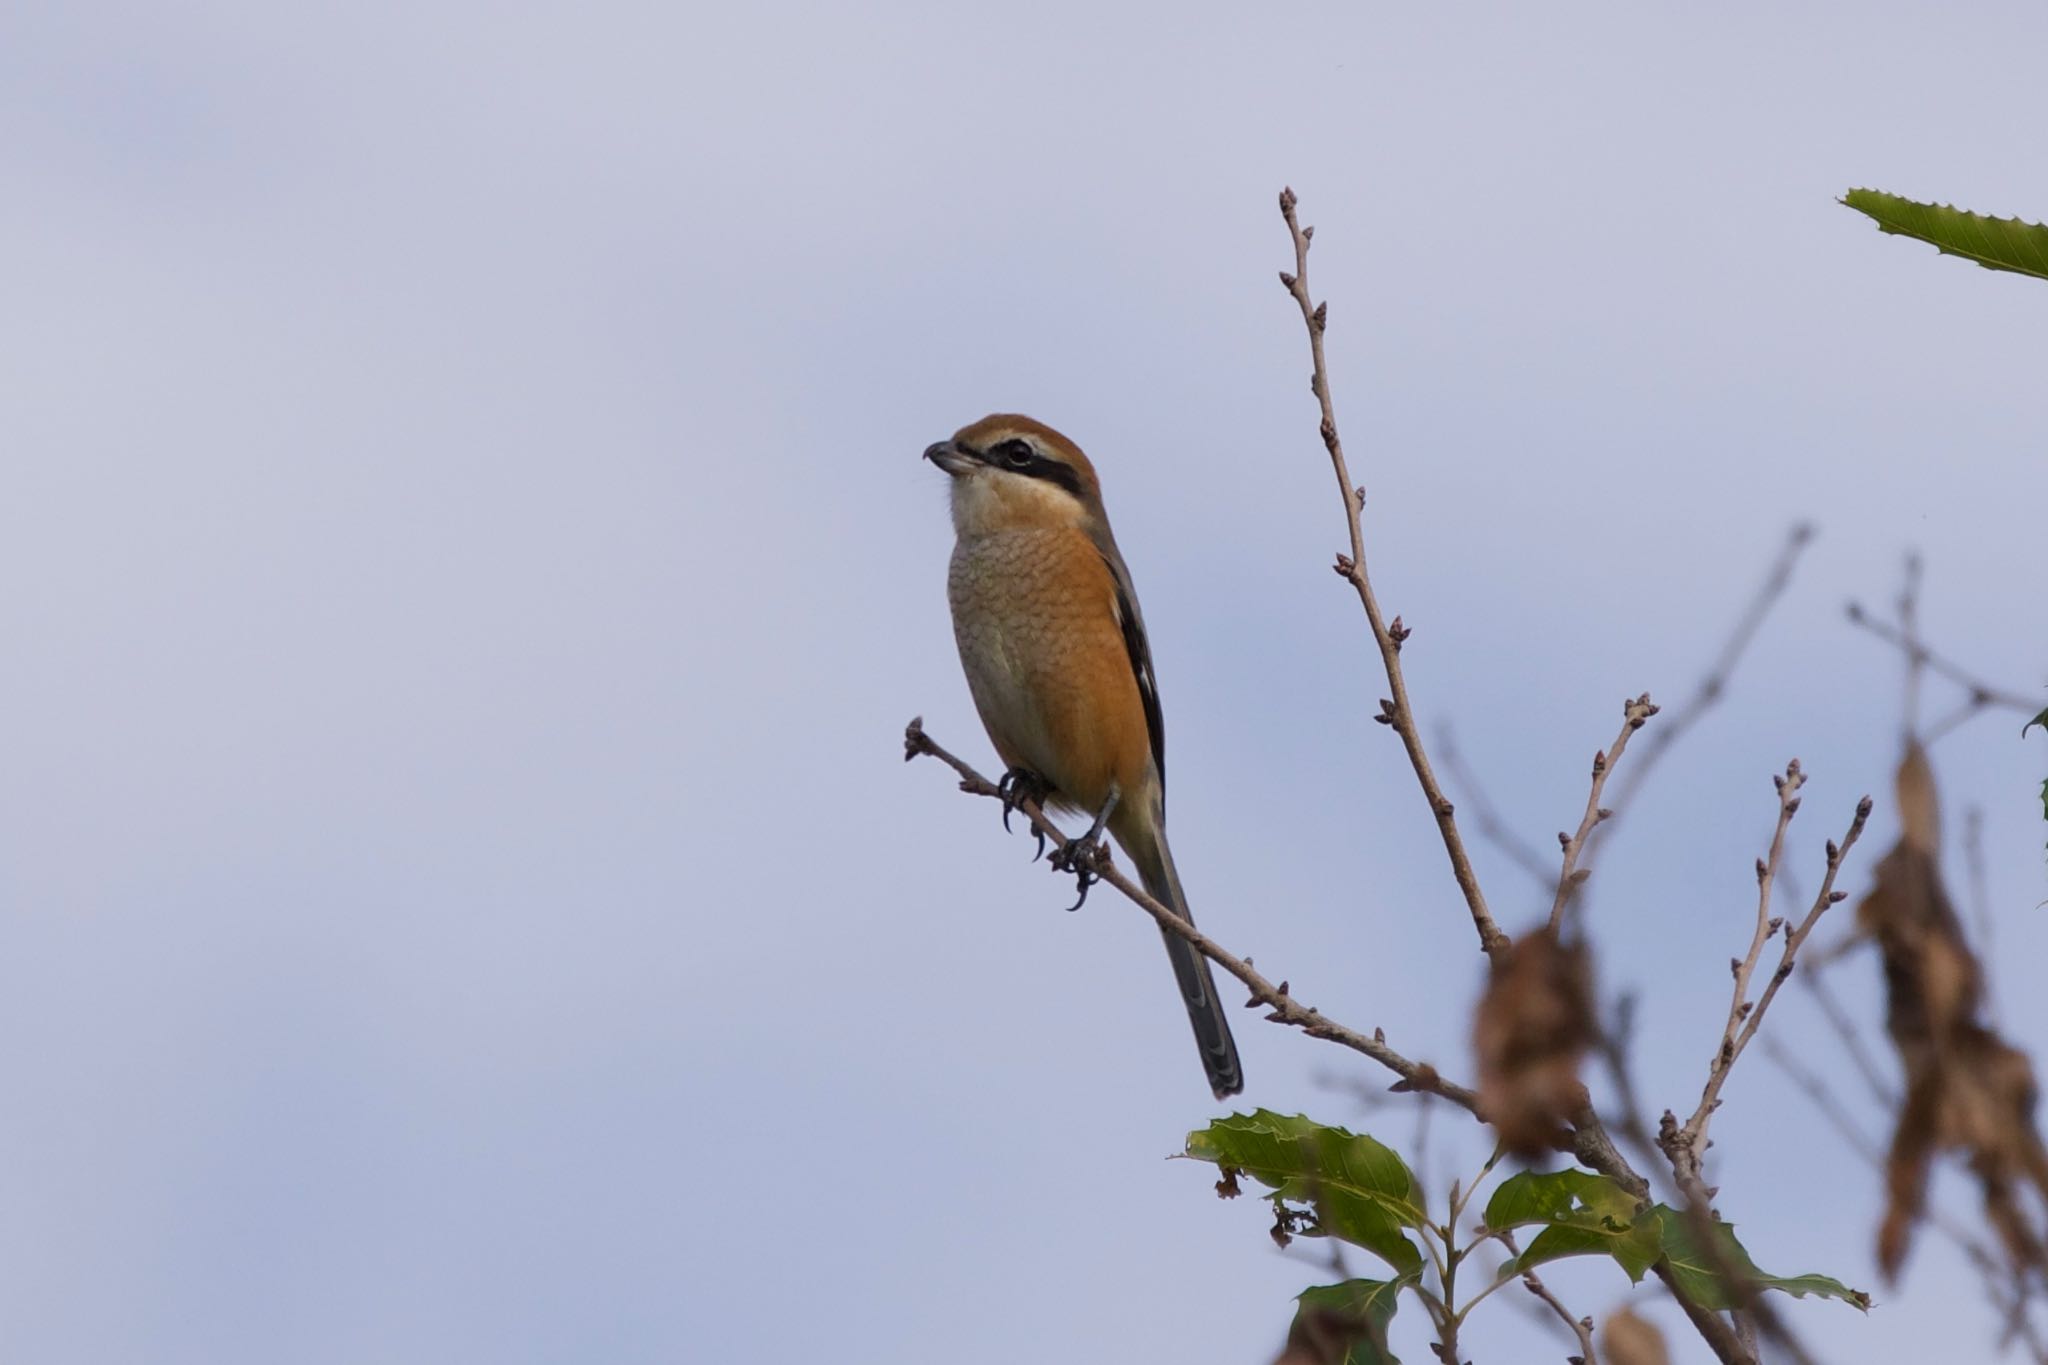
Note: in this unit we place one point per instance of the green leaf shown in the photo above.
(1360, 1191)
(1634, 1248)
(1994, 243)
(1365, 1307)
(2040, 720)
(1694, 1267)
(1581, 1214)
(1569, 1195)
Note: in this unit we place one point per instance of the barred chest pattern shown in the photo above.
(1036, 619)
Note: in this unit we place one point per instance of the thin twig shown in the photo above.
(1285, 1009)
(1909, 634)
(1983, 693)
(1852, 1042)
(1712, 1327)
(1714, 685)
(1635, 714)
(2008, 1300)
(1686, 1147)
(1589, 1140)
(1389, 636)
(1582, 1328)
(1486, 817)
(1811, 1084)
(1614, 1042)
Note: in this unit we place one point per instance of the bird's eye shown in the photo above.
(1015, 454)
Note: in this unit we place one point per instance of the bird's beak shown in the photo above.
(949, 457)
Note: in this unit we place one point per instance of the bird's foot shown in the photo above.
(1085, 857)
(1018, 786)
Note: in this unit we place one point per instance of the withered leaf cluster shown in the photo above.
(1532, 1028)
(1326, 1337)
(1633, 1340)
(1967, 1090)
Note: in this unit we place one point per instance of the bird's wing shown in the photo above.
(1139, 649)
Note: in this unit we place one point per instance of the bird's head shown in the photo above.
(1010, 472)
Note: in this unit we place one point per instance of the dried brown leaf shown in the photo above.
(1919, 807)
(1629, 1339)
(1967, 1090)
(1530, 1031)
(1932, 979)
(1324, 1337)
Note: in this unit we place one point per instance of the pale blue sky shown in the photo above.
(465, 568)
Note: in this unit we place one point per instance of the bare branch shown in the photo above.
(1982, 694)
(1810, 1084)
(1686, 1147)
(1715, 684)
(1909, 635)
(1635, 714)
(1396, 711)
(1712, 1327)
(1285, 1009)
(1881, 1089)
(1582, 1328)
(1486, 816)
(1590, 1142)
(2009, 1299)
(1615, 1039)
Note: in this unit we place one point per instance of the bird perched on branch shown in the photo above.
(1055, 652)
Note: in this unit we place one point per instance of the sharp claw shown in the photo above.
(1079, 857)
(1019, 785)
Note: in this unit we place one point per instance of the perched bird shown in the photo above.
(1056, 657)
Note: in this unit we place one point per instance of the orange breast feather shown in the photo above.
(1034, 612)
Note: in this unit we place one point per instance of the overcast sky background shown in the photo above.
(465, 568)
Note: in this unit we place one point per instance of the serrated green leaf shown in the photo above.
(1634, 1247)
(1567, 1196)
(1581, 1214)
(1994, 243)
(1366, 1306)
(1358, 1188)
(1695, 1270)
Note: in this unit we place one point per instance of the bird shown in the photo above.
(1057, 661)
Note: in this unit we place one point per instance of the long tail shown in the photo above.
(1154, 862)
